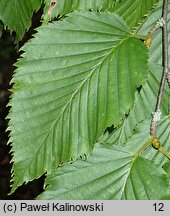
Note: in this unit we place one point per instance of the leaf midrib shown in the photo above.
(79, 89)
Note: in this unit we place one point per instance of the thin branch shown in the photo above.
(165, 41)
(148, 38)
(157, 114)
(156, 27)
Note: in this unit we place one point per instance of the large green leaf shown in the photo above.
(16, 14)
(113, 172)
(133, 11)
(74, 80)
(144, 105)
(63, 7)
(156, 46)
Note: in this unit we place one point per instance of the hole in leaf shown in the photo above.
(139, 88)
(109, 129)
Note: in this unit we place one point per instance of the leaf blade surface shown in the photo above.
(113, 172)
(72, 82)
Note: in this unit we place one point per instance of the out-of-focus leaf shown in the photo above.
(16, 14)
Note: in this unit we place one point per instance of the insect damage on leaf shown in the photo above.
(51, 8)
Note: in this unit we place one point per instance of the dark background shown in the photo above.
(9, 53)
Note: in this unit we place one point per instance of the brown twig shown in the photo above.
(151, 33)
(157, 114)
(156, 27)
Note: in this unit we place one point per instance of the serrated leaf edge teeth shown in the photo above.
(142, 20)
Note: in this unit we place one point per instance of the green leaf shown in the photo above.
(16, 14)
(166, 167)
(1, 28)
(74, 80)
(156, 45)
(133, 11)
(63, 7)
(147, 181)
(144, 105)
(112, 172)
